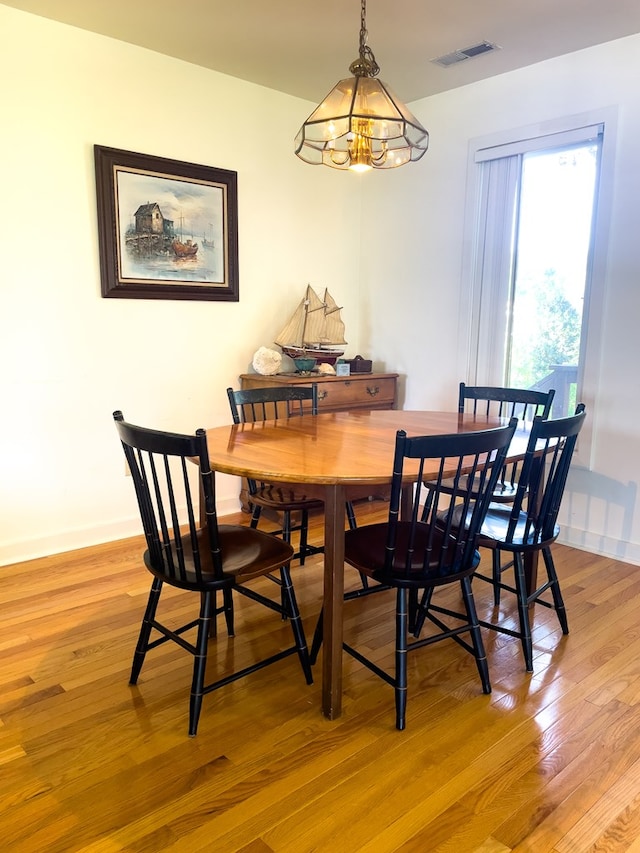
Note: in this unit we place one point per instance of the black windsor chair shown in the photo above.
(201, 560)
(411, 555)
(530, 525)
(491, 400)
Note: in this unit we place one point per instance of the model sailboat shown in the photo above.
(315, 330)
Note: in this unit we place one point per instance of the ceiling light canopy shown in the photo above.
(361, 124)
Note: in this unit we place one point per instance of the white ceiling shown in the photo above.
(303, 47)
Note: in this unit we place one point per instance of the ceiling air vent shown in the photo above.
(466, 53)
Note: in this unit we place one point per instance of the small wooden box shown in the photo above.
(359, 364)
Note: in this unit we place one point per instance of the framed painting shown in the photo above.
(167, 229)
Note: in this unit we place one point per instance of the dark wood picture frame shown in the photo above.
(167, 229)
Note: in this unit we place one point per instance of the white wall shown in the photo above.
(416, 287)
(70, 357)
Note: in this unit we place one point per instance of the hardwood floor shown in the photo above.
(549, 762)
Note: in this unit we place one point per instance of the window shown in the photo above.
(535, 220)
(553, 241)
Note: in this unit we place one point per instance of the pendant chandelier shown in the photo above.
(361, 124)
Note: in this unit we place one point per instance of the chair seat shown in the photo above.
(283, 496)
(496, 529)
(246, 553)
(365, 548)
(504, 490)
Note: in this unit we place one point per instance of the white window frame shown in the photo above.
(473, 302)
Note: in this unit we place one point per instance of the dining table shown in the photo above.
(338, 456)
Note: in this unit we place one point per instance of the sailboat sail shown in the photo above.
(334, 327)
(315, 329)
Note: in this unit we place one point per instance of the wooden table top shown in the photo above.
(351, 448)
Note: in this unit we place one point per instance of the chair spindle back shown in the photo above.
(543, 477)
(263, 404)
(415, 550)
(521, 403)
(160, 465)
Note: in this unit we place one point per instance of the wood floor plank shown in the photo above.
(576, 787)
(615, 815)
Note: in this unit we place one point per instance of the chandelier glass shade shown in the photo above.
(361, 124)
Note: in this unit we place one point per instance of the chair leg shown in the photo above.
(228, 612)
(293, 613)
(421, 612)
(555, 590)
(286, 526)
(400, 684)
(199, 663)
(145, 630)
(227, 609)
(255, 516)
(213, 622)
(497, 575)
(353, 525)
(476, 637)
(286, 536)
(304, 531)
(364, 580)
(426, 509)
(317, 639)
(523, 611)
(414, 609)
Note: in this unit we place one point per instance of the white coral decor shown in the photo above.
(266, 361)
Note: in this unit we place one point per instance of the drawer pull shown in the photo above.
(372, 391)
(322, 394)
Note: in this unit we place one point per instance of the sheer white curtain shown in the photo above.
(494, 267)
(498, 170)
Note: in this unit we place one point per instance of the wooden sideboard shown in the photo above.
(337, 393)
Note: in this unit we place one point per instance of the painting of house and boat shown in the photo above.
(170, 229)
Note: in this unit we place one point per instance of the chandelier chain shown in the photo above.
(366, 54)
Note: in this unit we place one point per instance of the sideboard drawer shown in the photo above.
(370, 392)
(337, 393)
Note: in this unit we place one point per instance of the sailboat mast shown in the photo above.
(303, 338)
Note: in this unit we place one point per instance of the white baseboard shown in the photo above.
(604, 546)
(20, 551)
(71, 540)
